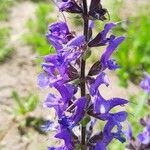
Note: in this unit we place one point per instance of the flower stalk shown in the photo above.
(65, 71)
(83, 65)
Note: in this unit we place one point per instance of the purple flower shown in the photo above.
(79, 111)
(67, 136)
(102, 78)
(116, 116)
(101, 38)
(58, 69)
(58, 34)
(113, 44)
(102, 106)
(55, 69)
(107, 133)
(145, 83)
(60, 103)
(70, 6)
(144, 137)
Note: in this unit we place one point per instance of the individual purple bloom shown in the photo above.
(119, 116)
(55, 102)
(113, 44)
(102, 78)
(67, 136)
(99, 66)
(59, 29)
(145, 83)
(144, 137)
(57, 67)
(52, 101)
(67, 92)
(142, 141)
(102, 106)
(77, 115)
(108, 134)
(101, 38)
(60, 103)
(58, 34)
(70, 6)
(79, 111)
(112, 122)
(73, 49)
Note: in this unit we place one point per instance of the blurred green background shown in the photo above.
(23, 24)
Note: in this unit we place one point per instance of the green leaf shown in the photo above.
(21, 108)
(32, 103)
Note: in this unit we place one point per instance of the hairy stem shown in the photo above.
(83, 63)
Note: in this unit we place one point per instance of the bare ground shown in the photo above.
(18, 73)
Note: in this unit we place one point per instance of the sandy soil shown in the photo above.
(18, 73)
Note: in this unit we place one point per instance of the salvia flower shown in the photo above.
(142, 141)
(58, 34)
(101, 39)
(65, 72)
(145, 83)
(70, 6)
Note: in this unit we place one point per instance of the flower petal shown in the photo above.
(43, 80)
(102, 78)
(113, 44)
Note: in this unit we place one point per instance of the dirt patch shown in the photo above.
(18, 73)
